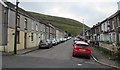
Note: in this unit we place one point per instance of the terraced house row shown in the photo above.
(30, 29)
(107, 32)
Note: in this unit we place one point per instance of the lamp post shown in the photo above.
(16, 21)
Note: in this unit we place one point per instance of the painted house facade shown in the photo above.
(30, 30)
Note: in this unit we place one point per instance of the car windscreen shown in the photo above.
(82, 45)
(42, 41)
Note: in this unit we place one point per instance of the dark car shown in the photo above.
(45, 44)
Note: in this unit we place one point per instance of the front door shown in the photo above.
(25, 40)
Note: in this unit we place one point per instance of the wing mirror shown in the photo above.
(73, 44)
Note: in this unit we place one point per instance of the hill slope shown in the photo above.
(71, 26)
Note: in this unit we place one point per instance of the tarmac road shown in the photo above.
(59, 56)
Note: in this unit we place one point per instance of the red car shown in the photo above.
(81, 48)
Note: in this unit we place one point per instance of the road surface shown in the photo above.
(59, 56)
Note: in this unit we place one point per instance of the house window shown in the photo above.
(18, 37)
(119, 16)
(104, 26)
(113, 26)
(119, 37)
(41, 27)
(18, 21)
(32, 36)
(113, 37)
(25, 23)
(36, 27)
(119, 20)
(32, 26)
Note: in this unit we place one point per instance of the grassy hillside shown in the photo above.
(72, 26)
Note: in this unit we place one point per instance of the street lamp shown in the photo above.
(16, 21)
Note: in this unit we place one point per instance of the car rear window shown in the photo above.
(82, 45)
(43, 41)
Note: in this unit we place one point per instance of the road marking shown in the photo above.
(79, 64)
(90, 62)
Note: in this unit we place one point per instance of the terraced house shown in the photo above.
(107, 32)
(30, 30)
(108, 29)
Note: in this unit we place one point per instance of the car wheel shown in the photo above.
(39, 47)
(48, 47)
(73, 55)
(88, 57)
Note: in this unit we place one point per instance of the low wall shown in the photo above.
(105, 48)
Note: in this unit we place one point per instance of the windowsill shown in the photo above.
(18, 43)
(25, 28)
(18, 26)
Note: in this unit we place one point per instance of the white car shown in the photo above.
(54, 42)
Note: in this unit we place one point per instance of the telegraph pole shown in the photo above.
(16, 21)
(83, 27)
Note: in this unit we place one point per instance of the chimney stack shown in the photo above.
(118, 5)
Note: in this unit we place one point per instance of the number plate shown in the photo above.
(81, 49)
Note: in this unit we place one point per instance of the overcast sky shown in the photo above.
(92, 11)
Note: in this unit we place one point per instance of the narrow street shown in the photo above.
(59, 56)
(87, 27)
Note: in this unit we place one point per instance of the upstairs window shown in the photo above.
(32, 36)
(41, 27)
(119, 20)
(119, 17)
(36, 27)
(18, 21)
(113, 25)
(25, 23)
(32, 26)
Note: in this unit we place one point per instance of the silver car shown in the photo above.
(45, 44)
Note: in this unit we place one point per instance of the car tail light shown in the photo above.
(77, 48)
(88, 49)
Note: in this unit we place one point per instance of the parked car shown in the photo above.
(45, 44)
(79, 39)
(64, 39)
(69, 37)
(54, 42)
(58, 41)
(81, 48)
(49, 42)
(76, 39)
(61, 40)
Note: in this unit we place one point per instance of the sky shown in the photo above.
(89, 12)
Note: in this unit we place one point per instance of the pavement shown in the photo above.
(20, 52)
(104, 59)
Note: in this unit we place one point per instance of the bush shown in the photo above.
(118, 54)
